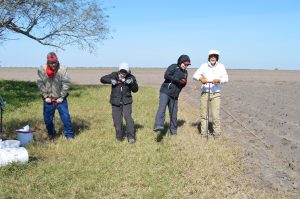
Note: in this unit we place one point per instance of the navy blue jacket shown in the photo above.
(172, 76)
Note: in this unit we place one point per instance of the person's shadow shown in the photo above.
(78, 126)
(136, 128)
(160, 136)
(198, 126)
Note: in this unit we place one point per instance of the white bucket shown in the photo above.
(24, 137)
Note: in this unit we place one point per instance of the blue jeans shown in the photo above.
(49, 111)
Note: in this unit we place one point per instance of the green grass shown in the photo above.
(95, 165)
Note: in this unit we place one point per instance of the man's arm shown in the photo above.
(40, 82)
(106, 79)
(169, 74)
(66, 82)
(224, 75)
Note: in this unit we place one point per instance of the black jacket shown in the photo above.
(173, 74)
(121, 92)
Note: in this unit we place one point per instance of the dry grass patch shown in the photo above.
(95, 165)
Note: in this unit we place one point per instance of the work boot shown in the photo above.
(204, 135)
(216, 134)
(69, 139)
(173, 134)
(131, 140)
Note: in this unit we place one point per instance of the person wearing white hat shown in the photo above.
(122, 84)
(211, 74)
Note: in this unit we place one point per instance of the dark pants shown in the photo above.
(117, 114)
(49, 111)
(172, 103)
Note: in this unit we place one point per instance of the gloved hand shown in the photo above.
(203, 80)
(216, 81)
(113, 82)
(121, 77)
(48, 100)
(129, 81)
(182, 82)
(59, 100)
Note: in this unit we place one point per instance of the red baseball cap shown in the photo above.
(187, 63)
(52, 58)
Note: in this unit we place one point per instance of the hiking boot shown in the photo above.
(158, 128)
(131, 140)
(173, 135)
(69, 139)
(216, 134)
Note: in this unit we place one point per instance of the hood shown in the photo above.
(182, 59)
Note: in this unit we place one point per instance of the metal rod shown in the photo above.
(208, 102)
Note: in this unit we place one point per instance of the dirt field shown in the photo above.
(260, 111)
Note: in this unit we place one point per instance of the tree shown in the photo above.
(56, 23)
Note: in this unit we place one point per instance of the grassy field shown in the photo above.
(95, 165)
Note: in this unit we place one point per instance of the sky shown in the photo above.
(250, 34)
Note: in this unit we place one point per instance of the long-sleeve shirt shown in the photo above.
(210, 72)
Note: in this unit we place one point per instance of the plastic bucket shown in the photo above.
(24, 137)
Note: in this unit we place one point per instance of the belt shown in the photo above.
(211, 93)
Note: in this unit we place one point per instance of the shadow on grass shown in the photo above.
(18, 93)
(136, 128)
(78, 125)
(12, 125)
(160, 136)
(198, 126)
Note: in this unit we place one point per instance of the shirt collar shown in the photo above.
(211, 66)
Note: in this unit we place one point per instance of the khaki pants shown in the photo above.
(215, 101)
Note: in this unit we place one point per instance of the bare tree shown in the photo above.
(56, 23)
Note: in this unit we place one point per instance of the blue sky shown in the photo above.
(249, 34)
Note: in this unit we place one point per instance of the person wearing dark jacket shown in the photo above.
(175, 79)
(122, 83)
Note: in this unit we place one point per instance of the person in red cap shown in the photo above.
(54, 83)
(175, 79)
